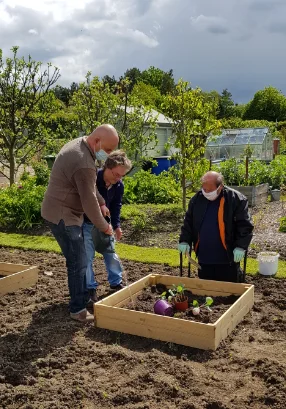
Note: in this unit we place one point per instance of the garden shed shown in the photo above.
(232, 143)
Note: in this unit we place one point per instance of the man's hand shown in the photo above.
(109, 231)
(184, 248)
(104, 210)
(118, 233)
(238, 254)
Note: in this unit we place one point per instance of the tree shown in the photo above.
(148, 95)
(26, 104)
(268, 104)
(64, 94)
(194, 118)
(163, 81)
(136, 122)
(111, 81)
(226, 104)
(96, 103)
(133, 75)
(93, 104)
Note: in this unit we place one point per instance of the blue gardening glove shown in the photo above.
(184, 248)
(238, 254)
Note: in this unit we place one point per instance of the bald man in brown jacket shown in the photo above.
(71, 193)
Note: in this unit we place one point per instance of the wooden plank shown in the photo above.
(124, 294)
(103, 312)
(211, 285)
(228, 321)
(222, 333)
(167, 335)
(248, 296)
(9, 268)
(23, 279)
(148, 325)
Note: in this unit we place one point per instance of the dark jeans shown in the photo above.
(70, 239)
(221, 272)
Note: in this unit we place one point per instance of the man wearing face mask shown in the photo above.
(217, 225)
(71, 193)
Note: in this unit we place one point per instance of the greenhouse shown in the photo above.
(232, 143)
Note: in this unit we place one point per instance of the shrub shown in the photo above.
(277, 172)
(233, 172)
(42, 173)
(144, 187)
(20, 205)
(282, 227)
(258, 172)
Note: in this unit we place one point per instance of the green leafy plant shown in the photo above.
(282, 227)
(145, 187)
(197, 308)
(175, 294)
(20, 205)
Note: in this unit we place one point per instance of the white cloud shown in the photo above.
(216, 44)
(212, 24)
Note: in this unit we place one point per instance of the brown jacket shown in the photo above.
(72, 187)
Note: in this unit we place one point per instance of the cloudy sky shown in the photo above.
(214, 44)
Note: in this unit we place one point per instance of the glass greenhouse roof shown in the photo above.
(247, 136)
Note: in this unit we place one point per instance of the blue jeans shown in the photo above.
(112, 261)
(70, 240)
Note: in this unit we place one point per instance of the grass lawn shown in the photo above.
(135, 253)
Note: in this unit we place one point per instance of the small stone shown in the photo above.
(48, 273)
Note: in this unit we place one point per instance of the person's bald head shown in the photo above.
(103, 137)
(211, 181)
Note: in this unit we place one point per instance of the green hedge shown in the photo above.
(145, 187)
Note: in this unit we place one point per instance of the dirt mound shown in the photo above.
(48, 361)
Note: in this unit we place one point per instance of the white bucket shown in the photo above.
(268, 262)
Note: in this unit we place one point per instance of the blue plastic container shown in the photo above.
(173, 162)
(163, 165)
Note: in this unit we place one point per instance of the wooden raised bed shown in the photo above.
(255, 195)
(111, 314)
(16, 276)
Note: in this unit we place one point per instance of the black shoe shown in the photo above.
(92, 296)
(117, 287)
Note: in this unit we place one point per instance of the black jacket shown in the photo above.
(234, 222)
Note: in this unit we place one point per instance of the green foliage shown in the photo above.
(267, 104)
(139, 222)
(144, 187)
(194, 118)
(148, 95)
(42, 173)
(226, 104)
(20, 205)
(258, 172)
(235, 123)
(162, 80)
(233, 172)
(176, 293)
(26, 104)
(282, 227)
(96, 102)
(277, 172)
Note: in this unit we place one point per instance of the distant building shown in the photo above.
(232, 143)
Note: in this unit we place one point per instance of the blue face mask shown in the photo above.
(101, 155)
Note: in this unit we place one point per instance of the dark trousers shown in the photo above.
(70, 240)
(221, 272)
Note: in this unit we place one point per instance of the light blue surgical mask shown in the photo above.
(101, 155)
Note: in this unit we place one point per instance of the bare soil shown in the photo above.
(145, 302)
(266, 236)
(48, 361)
